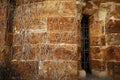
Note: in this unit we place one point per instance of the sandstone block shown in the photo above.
(97, 65)
(2, 35)
(113, 27)
(64, 52)
(29, 37)
(113, 69)
(24, 53)
(54, 70)
(63, 37)
(25, 69)
(62, 24)
(95, 41)
(49, 9)
(112, 53)
(95, 53)
(95, 29)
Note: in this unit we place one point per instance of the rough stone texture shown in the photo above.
(97, 65)
(46, 31)
(55, 70)
(113, 27)
(3, 8)
(24, 69)
(96, 53)
(113, 70)
(112, 53)
(46, 40)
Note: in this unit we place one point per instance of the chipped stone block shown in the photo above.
(95, 53)
(63, 37)
(58, 70)
(97, 65)
(62, 24)
(113, 27)
(24, 69)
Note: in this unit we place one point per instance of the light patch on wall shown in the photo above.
(102, 14)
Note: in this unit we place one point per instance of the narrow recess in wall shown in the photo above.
(85, 44)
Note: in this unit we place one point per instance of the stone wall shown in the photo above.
(45, 40)
(104, 38)
(3, 14)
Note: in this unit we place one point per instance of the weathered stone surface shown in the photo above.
(112, 53)
(62, 24)
(58, 70)
(3, 13)
(48, 9)
(2, 35)
(113, 27)
(95, 29)
(29, 37)
(115, 8)
(26, 22)
(113, 70)
(97, 65)
(113, 39)
(95, 53)
(26, 52)
(1, 57)
(25, 69)
(64, 52)
(63, 37)
(35, 38)
(46, 52)
(19, 2)
(95, 41)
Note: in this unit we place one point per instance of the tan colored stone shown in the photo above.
(112, 53)
(26, 22)
(2, 35)
(95, 53)
(25, 69)
(113, 39)
(3, 8)
(58, 70)
(32, 38)
(1, 52)
(49, 9)
(97, 65)
(95, 29)
(62, 24)
(113, 69)
(95, 41)
(63, 37)
(63, 52)
(24, 52)
(115, 8)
